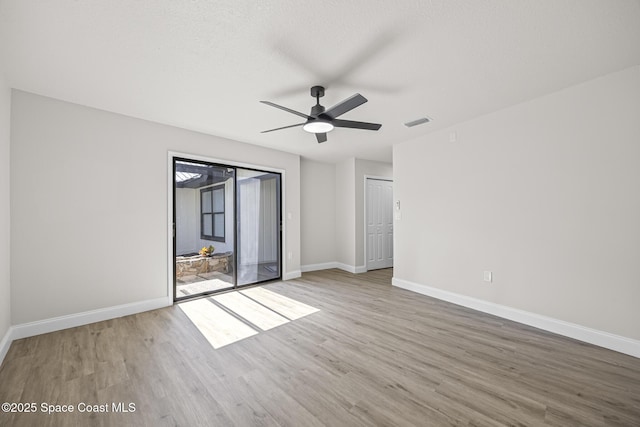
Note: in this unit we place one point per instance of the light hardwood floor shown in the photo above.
(372, 355)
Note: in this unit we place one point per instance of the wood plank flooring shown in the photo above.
(373, 355)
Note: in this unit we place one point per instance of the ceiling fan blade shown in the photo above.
(355, 125)
(284, 127)
(346, 105)
(321, 137)
(297, 113)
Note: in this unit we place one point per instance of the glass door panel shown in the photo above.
(258, 222)
(204, 212)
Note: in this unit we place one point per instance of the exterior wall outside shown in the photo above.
(188, 232)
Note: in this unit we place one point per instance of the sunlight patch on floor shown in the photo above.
(201, 286)
(230, 317)
(219, 327)
(250, 310)
(288, 307)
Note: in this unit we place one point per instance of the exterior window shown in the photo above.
(212, 213)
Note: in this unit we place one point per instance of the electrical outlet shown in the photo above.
(488, 276)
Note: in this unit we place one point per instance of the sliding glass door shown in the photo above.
(258, 208)
(226, 223)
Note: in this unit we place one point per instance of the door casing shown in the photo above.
(388, 227)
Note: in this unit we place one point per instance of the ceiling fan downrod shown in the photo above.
(317, 92)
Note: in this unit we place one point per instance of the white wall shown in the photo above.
(318, 213)
(346, 214)
(108, 248)
(5, 288)
(545, 194)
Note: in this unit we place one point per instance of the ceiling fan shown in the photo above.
(321, 121)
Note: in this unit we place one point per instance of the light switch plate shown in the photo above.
(488, 276)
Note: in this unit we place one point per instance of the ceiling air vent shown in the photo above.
(417, 122)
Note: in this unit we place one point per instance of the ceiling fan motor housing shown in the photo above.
(316, 110)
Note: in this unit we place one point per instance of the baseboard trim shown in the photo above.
(292, 275)
(592, 336)
(328, 265)
(352, 268)
(5, 343)
(79, 319)
(346, 267)
(321, 266)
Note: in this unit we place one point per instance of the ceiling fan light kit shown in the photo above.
(318, 126)
(320, 121)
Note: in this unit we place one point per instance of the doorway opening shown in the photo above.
(378, 223)
(226, 227)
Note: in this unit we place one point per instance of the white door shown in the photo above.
(379, 217)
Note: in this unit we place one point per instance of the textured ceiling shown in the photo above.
(204, 65)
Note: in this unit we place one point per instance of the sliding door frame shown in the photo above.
(238, 211)
(172, 156)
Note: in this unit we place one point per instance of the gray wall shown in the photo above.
(89, 205)
(5, 224)
(545, 194)
(345, 213)
(318, 215)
